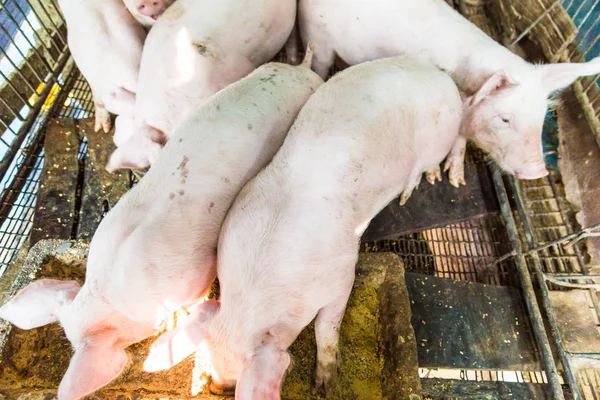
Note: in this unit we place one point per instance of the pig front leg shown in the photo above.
(102, 115)
(327, 332)
(455, 162)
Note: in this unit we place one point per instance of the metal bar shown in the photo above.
(29, 121)
(573, 276)
(537, 323)
(14, 88)
(546, 304)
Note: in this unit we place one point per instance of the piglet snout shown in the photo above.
(533, 172)
(151, 8)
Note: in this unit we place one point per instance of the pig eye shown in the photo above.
(506, 120)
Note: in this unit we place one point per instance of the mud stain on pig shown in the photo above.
(183, 170)
(210, 206)
(181, 192)
(171, 196)
(203, 50)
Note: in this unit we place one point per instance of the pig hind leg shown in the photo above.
(327, 332)
(412, 184)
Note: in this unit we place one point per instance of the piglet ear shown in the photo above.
(93, 365)
(558, 76)
(174, 346)
(38, 304)
(495, 84)
(262, 374)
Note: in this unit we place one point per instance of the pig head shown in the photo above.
(505, 116)
(146, 12)
(98, 346)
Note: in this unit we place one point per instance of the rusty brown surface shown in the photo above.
(579, 164)
(55, 203)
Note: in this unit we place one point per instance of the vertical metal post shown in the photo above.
(544, 292)
(537, 323)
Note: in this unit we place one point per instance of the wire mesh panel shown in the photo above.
(37, 80)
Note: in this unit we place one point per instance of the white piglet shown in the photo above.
(155, 251)
(194, 50)
(106, 44)
(508, 97)
(289, 244)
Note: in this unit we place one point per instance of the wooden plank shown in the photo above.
(469, 325)
(55, 204)
(101, 190)
(433, 206)
(459, 389)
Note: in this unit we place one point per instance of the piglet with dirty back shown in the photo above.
(106, 44)
(155, 251)
(289, 244)
(508, 97)
(196, 48)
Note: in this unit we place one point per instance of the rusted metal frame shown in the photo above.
(14, 88)
(562, 206)
(57, 9)
(31, 45)
(35, 32)
(535, 316)
(46, 28)
(32, 151)
(25, 58)
(545, 295)
(33, 113)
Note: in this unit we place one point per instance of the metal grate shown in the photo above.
(38, 80)
(459, 251)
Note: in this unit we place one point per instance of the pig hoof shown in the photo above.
(326, 378)
(456, 172)
(405, 196)
(433, 175)
(102, 121)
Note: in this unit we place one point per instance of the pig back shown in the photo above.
(192, 184)
(369, 125)
(258, 29)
